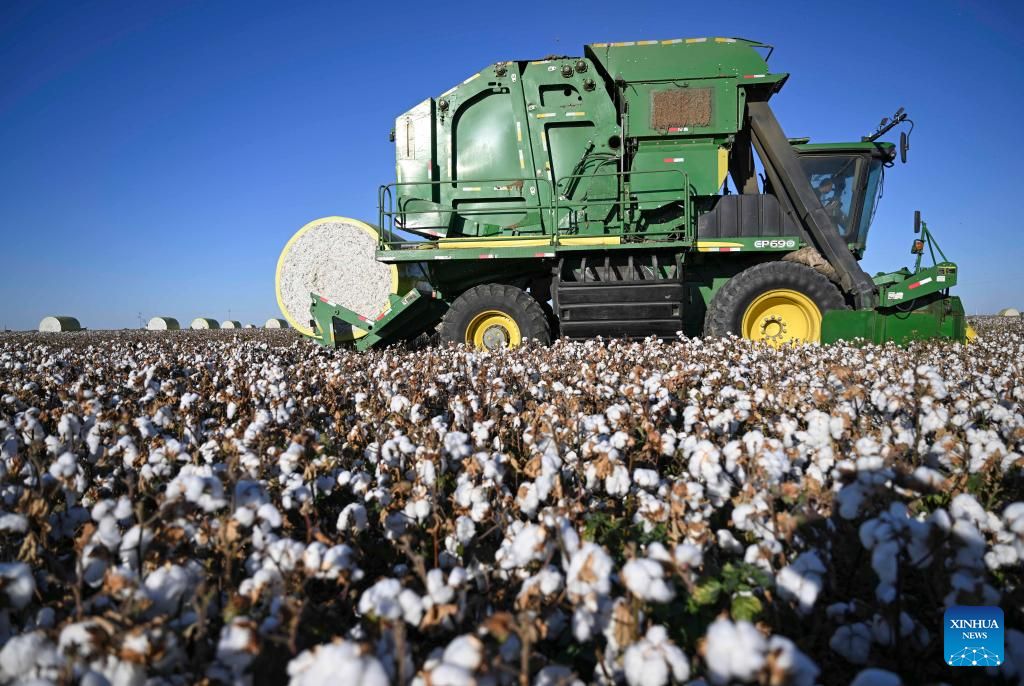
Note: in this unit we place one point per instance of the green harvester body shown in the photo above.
(553, 175)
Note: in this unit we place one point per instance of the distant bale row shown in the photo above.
(66, 323)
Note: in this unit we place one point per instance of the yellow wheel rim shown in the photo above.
(493, 329)
(782, 316)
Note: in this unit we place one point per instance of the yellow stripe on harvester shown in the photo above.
(717, 246)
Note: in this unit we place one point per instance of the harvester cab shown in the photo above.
(585, 196)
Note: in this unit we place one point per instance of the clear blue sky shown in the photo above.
(155, 156)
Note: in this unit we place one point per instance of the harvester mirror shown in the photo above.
(917, 221)
(391, 136)
(918, 247)
(904, 146)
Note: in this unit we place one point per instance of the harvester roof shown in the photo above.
(685, 58)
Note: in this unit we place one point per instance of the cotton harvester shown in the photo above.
(586, 196)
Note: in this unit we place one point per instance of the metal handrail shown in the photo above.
(384, 194)
(387, 211)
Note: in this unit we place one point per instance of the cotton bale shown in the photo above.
(276, 324)
(59, 323)
(163, 324)
(204, 323)
(334, 257)
(250, 326)
(1009, 312)
(231, 324)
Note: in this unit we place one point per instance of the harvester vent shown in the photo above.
(680, 107)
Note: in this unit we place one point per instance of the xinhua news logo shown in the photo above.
(973, 636)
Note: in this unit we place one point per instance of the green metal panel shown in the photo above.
(919, 284)
(680, 58)
(943, 318)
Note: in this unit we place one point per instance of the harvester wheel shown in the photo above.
(774, 302)
(493, 316)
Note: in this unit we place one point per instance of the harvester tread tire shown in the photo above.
(725, 312)
(522, 307)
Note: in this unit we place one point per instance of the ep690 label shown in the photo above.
(777, 243)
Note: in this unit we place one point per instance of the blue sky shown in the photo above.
(154, 157)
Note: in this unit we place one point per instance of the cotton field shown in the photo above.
(244, 507)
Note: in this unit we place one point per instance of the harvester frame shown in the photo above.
(611, 208)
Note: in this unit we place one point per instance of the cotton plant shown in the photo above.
(440, 515)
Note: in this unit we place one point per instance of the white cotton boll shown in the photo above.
(352, 518)
(853, 642)
(18, 585)
(646, 478)
(412, 607)
(418, 510)
(340, 662)
(734, 651)
(464, 651)
(528, 545)
(168, 587)
(653, 659)
(1013, 517)
(589, 571)
(29, 657)
(197, 484)
(13, 523)
(244, 516)
(617, 483)
(388, 600)
(64, 467)
(645, 579)
(427, 472)
(728, 542)
(123, 509)
(399, 404)
(801, 581)
(465, 529)
(437, 590)
(929, 478)
(269, 514)
(237, 646)
(688, 555)
(876, 677)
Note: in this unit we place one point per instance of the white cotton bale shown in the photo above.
(334, 257)
(204, 323)
(163, 324)
(250, 326)
(231, 324)
(59, 323)
(276, 324)
(1009, 312)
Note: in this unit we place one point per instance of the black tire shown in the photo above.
(523, 309)
(725, 313)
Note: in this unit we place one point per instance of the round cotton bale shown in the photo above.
(250, 326)
(61, 323)
(276, 324)
(231, 324)
(163, 324)
(1009, 312)
(204, 323)
(334, 257)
